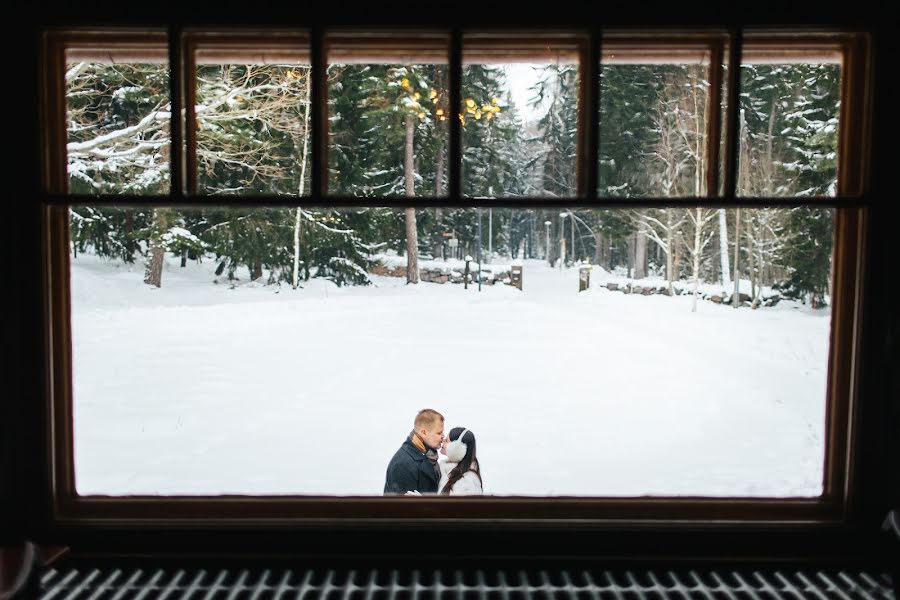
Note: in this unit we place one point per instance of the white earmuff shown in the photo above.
(456, 450)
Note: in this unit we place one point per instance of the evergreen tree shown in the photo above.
(790, 114)
(808, 253)
(558, 129)
(490, 136)
(388, 137)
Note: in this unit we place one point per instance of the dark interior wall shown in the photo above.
(24, 493)
(21, 418)
(878, 461)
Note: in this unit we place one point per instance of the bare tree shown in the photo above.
(661, 228)
(303, 158)
(640, 246)
(133, 155)
(723, 248)
(699, 219)
(679, 117)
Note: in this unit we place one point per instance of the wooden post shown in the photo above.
(515, 274)
(584, 278)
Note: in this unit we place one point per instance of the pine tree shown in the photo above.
(791, 116)
(490, 136)
(558, 129)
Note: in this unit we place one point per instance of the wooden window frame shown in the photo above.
(264, 512)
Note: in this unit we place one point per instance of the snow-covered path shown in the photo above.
(196, 388)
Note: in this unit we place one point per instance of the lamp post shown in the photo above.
(478, 212)
(547, 245)
(562, 240)
(490, 234)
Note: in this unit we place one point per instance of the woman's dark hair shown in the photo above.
(469, 461)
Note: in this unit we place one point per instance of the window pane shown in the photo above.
(789, 129)
(388, 131)
(653, 120)
(117, 119)
(520, 129)
(253, 126)
(519, 115)
(226, 379)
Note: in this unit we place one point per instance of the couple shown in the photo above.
(416, 470)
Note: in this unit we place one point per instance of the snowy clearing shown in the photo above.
(203, 388)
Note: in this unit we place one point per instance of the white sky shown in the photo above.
(520, 77)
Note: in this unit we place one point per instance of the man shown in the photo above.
(414, 468)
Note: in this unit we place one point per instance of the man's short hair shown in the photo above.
(427, 417)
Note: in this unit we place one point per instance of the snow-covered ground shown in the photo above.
(203, 388)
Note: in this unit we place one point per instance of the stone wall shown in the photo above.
(488, 277)
(722, 298)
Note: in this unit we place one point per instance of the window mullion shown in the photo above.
(236, 201)
(714, 119)
(176, 80)
(319, 114)
(190, 114)
(735, 49)
(588, 175)
(454, 188)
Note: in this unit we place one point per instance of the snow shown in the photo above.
(122, 92)
(180, 232)
(198, 388)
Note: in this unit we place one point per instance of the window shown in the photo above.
(284, 184)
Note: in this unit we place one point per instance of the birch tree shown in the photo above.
(699, 219)
(662, 226)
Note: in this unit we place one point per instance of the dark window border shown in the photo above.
(851, 226)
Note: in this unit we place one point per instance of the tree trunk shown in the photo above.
(715, 273)
(412, 243)
(608, 255)
(153, 275)
(723, 249)
(439, 173)
(572, 219)
(183, 258)
(735, 298)
(296, 270)
(598, 247)
(303, 157)
(129, 232)
(640, 248)
(438, 250)
(676, 258)
(770, 162)
(257, 268)
(154, 267)
(764, 268)
(629, 259)
(698, 230)
(750, 265)
(670, 252)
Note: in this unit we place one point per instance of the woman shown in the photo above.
(460, 473)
